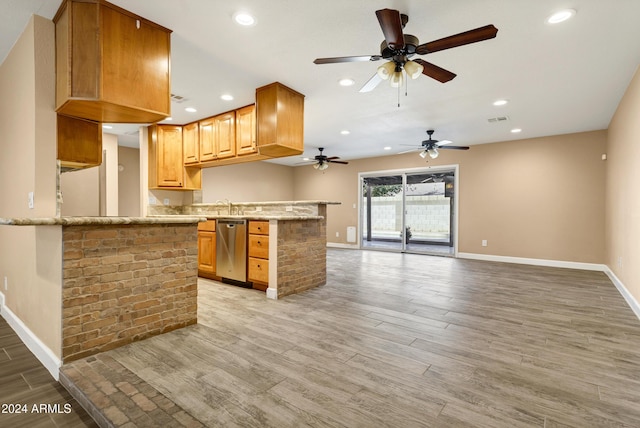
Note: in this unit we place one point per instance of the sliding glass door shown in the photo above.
(411, 211)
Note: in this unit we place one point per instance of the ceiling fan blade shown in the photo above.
(454, 147)
(391, 25)
(412, 150)
(435, 72)
(337, 161)
(333, 158)
(347, 59)
(461, 39)
(443, 142)
(371, 83)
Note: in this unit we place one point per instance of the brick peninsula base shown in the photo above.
(126, 282)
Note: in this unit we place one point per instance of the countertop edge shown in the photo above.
(255, 217)
(97, 221)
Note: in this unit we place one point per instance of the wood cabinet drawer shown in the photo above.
(259, 227)
(258, 270)
(259, 246)
(209, 225)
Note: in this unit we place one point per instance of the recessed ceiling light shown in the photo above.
(107, 127)
(387, 148)
(561, 16)
(345, 132)
(346, 82)
(168, 119)
(499, 103)
(516, 130)
(226, 97)
(190, 110)
(244, 18)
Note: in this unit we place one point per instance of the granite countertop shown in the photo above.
(264, 217)
(235, 204)
(85, 221)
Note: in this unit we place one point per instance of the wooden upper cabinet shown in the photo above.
(79, 142)
(111, 65)
(246, 130)
(207, 139)
(280, 120)
(191, 143)
(225, 135)
(165, 156)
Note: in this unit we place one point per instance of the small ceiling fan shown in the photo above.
(322, 162)
(430, 147)
(398, 48)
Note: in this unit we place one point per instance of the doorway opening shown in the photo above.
(413, 211)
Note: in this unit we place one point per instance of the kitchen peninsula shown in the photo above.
(294, 233)
(123, 278)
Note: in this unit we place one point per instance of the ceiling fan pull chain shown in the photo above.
(398, 96)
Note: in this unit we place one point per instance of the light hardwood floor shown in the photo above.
(405, 340)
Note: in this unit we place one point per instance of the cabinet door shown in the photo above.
(246, 130)
(207, 252)
(191, 143)
(207, 140)
(226, 135)
(169, 161)
(135, 61)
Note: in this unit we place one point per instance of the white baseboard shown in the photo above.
(272, 293)
(535, 262)
(35, 345)
(631, 301)
(339, 245)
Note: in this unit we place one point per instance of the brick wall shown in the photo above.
(302, 255)
(124, 283)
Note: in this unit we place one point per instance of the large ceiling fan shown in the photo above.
(398, 48)
(430, 147)
(322, 162)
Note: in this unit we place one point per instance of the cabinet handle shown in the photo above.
(138, 24)
(259, 243)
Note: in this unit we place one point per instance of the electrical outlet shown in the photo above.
(30, 200)
(167, 201)
(288, 208)
(258, 208)
(484, 242)
(337, 234)
(152, 200)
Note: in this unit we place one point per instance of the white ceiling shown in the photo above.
(558, 79)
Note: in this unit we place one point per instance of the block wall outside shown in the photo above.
(302, 255)
(124, 283)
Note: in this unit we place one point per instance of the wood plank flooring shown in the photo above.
(405, 340)
(24, 382)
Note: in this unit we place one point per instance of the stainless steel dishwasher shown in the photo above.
(231, 249)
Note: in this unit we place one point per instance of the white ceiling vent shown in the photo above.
(498, 119)
(178, 99)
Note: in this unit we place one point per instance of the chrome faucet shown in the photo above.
(227, 202)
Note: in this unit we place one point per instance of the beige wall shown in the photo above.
(255, 181)
(30, 257)
(129, 182)
(540, 198)
(623, 190)
(80, 192)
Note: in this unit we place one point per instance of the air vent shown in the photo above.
(498, 119)
(178, 99)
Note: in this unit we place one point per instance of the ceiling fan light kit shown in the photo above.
(398, 48)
